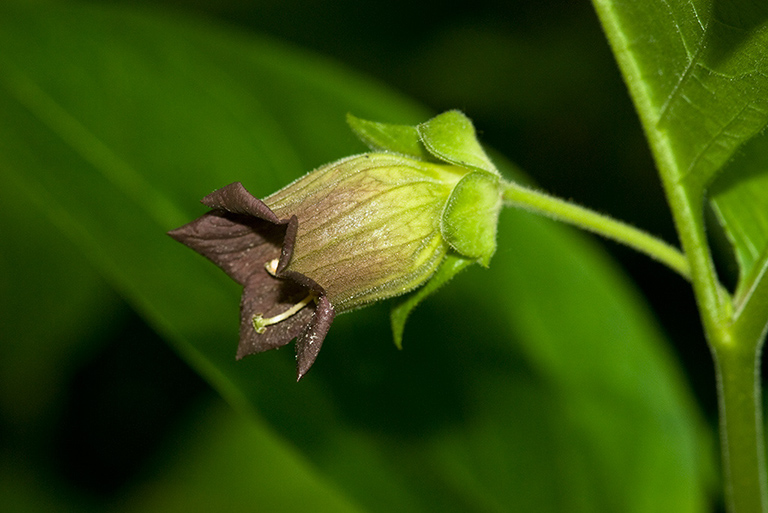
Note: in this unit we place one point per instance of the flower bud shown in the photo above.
(359, 230)
(369, 225)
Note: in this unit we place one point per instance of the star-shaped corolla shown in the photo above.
(253, 246)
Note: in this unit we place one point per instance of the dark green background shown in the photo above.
(539, 82)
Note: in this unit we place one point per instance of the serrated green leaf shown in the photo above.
(451, 137)
(451, 266)
(388, 137)
(544, 369)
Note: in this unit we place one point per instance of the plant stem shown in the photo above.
(741, 431)
(734, 338)
(561, 210)
(735, 347)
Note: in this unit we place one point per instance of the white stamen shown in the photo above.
(260, 323)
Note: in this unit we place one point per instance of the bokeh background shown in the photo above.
(111, 401)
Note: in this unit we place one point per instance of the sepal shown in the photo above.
(471, 215)
(450, 267)
(451, 137)
(402, 139)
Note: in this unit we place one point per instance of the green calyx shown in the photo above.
(469, 216)
(471, 213)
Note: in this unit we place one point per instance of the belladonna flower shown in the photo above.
(359, 230)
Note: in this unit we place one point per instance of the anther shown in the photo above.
(271, 266)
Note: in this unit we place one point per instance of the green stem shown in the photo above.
(741, 430)
(561, 210)
(735, 347)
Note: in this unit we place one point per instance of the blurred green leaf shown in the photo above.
(538, 385)
(24, 490)
(451, 266)
(227, 462)
(53, 305)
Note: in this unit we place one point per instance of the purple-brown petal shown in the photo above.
(236, 199)
(239, 244)
(268, 296)
(311, 339)
(240, 235)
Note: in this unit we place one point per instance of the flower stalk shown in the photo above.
(528, 199)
